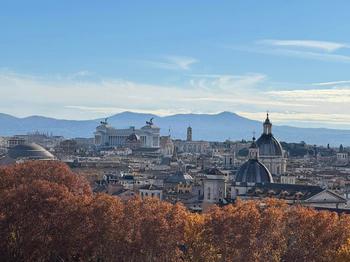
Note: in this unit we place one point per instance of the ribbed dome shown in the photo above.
(269, 146)
(253, 171)
(29, 151)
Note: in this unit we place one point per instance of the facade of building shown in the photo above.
(151, 191)
(229, 160)
(14, 141)
(190, 146)
(166, 146)
(108, 136)
(342, 156)
(180, 182)
(271, 153)
(288, 180)
(199, 147)
(214, 187)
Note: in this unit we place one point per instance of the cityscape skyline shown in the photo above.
(174, 130)
(87, 62)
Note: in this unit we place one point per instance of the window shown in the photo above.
(208, 193)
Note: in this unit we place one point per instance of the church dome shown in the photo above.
(267, 143)
(269, 146)
(29, 151)
(253, 171)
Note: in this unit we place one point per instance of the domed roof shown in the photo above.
(253, 171)
(269, 146)
(29, 151)
(267, 143)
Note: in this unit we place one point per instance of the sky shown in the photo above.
(90, 59)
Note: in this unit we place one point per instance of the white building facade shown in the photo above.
(108, 136)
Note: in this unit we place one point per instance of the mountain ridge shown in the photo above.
(211, 127)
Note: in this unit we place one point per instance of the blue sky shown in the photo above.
(87, 59)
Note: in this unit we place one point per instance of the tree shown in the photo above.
(48, 213)
(43, 210)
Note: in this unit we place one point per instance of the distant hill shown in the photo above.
(217, 127)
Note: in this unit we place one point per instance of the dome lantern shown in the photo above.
(253, 150)
(267, 125)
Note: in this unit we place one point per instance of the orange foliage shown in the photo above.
(47, 213)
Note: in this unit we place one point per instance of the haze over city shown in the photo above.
(86, 60)
(143, 131)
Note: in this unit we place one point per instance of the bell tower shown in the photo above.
(253, 150)
(189, 133)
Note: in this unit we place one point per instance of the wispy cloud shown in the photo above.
(70, 98)
(304, 49)
(310, 44)
(333, 83)
(310, 55)
(172, 62)
(229, 83)
(330, 95)
(320, 56)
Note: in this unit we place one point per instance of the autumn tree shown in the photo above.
(314, 235)
(48, 213)
(343, 253)
(42, 212)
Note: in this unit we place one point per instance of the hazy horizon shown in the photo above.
(82, 60)
(257, 118)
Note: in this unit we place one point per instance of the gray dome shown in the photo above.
(253, 171)
(29, 151)
(269, 146)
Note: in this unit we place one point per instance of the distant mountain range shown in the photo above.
(217, 127)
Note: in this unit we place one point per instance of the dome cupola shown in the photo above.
(267, 143)
(253, 171)
(267, 125)
(253, 150)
